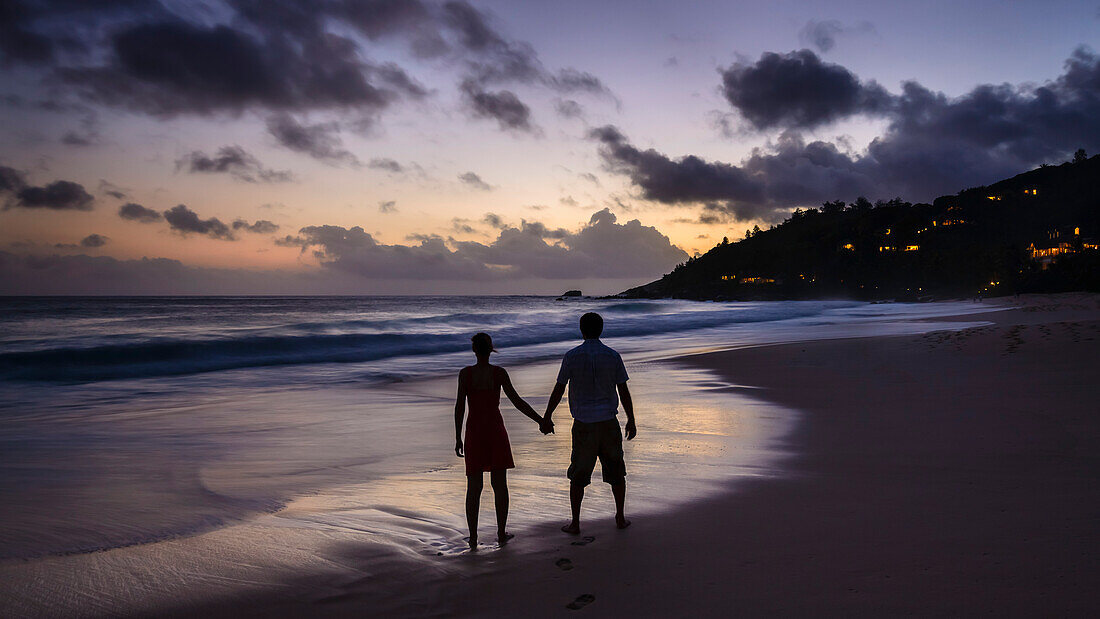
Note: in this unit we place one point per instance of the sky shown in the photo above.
(492, 147)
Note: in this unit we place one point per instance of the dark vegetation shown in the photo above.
(982, 240)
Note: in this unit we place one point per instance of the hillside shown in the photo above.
(1033, 232)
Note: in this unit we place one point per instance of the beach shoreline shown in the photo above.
(933, 506)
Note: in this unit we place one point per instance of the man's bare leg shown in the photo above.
(576, 495)
(619, 490)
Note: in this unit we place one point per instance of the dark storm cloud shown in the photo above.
(137, 212)
(261, 226)
(58, 195)
(185, 221)
(389, 165)
(176, 67)
(798, 90)
(932, 145)
(320, 141)
(823, 34)
(689, 179)
(474, 181)
(770, 181)
(291, 56)
(94, 240)
(502, 106)
(232, 160)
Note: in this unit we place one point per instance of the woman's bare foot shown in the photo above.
(573, 528)
(621, 522)
(473, 543)
(502, 538)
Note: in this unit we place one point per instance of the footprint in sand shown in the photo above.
(584, 541)
(564, 564)
(581, 601)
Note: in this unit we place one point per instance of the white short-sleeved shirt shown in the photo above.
(592, 371)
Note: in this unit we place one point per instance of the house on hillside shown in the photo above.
(1060, 242)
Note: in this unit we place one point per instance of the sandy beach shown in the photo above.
(948, 473)
(944, 474)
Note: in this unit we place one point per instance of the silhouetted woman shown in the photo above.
(486, 448)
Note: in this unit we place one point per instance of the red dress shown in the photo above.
(486, 443)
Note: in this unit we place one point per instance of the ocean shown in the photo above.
(127, 421)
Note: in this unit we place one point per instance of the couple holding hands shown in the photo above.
(596, 379)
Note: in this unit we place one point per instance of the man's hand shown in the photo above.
(458, 448)
(631, 430)
(546, 426)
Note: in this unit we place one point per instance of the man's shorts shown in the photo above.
(603, 440)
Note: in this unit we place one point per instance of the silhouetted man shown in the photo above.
(594, 372)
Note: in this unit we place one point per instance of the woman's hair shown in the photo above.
(483, 344)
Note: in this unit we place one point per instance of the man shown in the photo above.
(594, 372)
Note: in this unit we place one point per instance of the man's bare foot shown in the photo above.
(621, 522)
(473, 543)
(502, 538)
(572, 528)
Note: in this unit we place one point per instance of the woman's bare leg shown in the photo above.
(474, 484)
(499, 480)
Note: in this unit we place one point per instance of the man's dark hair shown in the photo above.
(591, 325)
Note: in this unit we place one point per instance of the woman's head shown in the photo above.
(482, 344)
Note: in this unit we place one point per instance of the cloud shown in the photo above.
(473, 180)
(94, 240)
(529, 258)
(568, 108)
(798, 90)
(389, 165)
(185, 221)
(261, 226)
(320, 141)
(58, 195)
(932, 145)
(111, 190)
(387, 206)
(689, 179)
(571, 80)
(602, 248)
(232, 160)
(502, 106)
(137, 212)
(823, 34)
(172, 66)
(290, 56)
(494, 220)
(11, 180)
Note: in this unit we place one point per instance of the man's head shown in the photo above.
(591, 325)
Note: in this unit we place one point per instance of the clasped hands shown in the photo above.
(545, 425)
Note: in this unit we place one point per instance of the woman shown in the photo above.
(486, 448)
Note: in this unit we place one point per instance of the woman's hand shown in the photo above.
(458, 448)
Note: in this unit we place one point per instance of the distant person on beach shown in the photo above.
(594, 373)
(486, 448)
